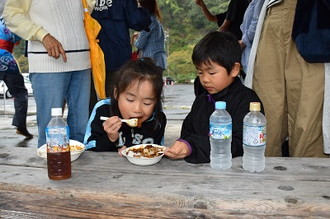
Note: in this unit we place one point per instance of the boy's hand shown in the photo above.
(178, 150)
(111, 126)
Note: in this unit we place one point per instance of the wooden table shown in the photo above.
(104, 185)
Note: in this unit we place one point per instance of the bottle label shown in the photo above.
(220, 131)
(57, 139)
(254, 135)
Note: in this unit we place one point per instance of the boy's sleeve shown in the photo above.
(137, 18)
(200, 145)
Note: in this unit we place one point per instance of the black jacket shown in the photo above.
(195, 128)
(96, 139)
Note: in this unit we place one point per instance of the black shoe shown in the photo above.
(24, 132)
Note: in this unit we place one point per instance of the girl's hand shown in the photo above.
(178, 150)
(120, 150)
(111, 126)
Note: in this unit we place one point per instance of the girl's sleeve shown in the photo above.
(15, 15)
(96, 138)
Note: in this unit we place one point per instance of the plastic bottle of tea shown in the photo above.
(58, 148)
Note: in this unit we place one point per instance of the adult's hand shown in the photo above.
(53, 47)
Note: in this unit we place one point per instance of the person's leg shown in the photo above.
(77, 97)
(49, 92)
(15, 84)
(304, 88)
(268, 79)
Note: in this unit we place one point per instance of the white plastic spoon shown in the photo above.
(130, 122)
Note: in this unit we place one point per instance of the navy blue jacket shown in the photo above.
(116, 17)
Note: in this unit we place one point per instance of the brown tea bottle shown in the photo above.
(58, 148)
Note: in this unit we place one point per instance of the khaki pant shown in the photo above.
(290, 88)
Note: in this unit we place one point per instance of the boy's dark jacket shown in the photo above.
(195, 128)
(151, 131)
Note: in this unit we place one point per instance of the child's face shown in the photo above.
(137, 101)
(214, 77)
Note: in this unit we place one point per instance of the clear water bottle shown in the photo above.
(58, 148)
(254, 139)
(220, 137)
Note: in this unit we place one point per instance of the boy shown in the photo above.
(217, 59)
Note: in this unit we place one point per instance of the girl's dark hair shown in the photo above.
(142, 69)
(152, 7)
(219, 47)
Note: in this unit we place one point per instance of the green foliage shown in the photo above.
(180, 65)
(20, 58)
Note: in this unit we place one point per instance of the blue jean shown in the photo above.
(50, 90)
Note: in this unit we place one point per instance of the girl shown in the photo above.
(152, 43)
(136, 94)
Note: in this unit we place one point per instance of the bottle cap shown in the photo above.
(254, 106)
(56, 111)
(220, 105)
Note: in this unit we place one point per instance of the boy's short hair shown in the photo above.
(219, 47)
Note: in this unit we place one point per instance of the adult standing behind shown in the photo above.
(10, 74)
(229, 21)
(291, 89)
(59, 59)
(116, 18)
(152, 43)
(248, 29)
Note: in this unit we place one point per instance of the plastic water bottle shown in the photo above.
(220, 137)
(58, 148)
(254, 139)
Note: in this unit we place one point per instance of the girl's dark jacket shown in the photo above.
(151, 131)
(195, 128)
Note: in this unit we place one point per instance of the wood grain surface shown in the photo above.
(104, 185)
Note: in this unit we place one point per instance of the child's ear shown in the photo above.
(235, 70)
